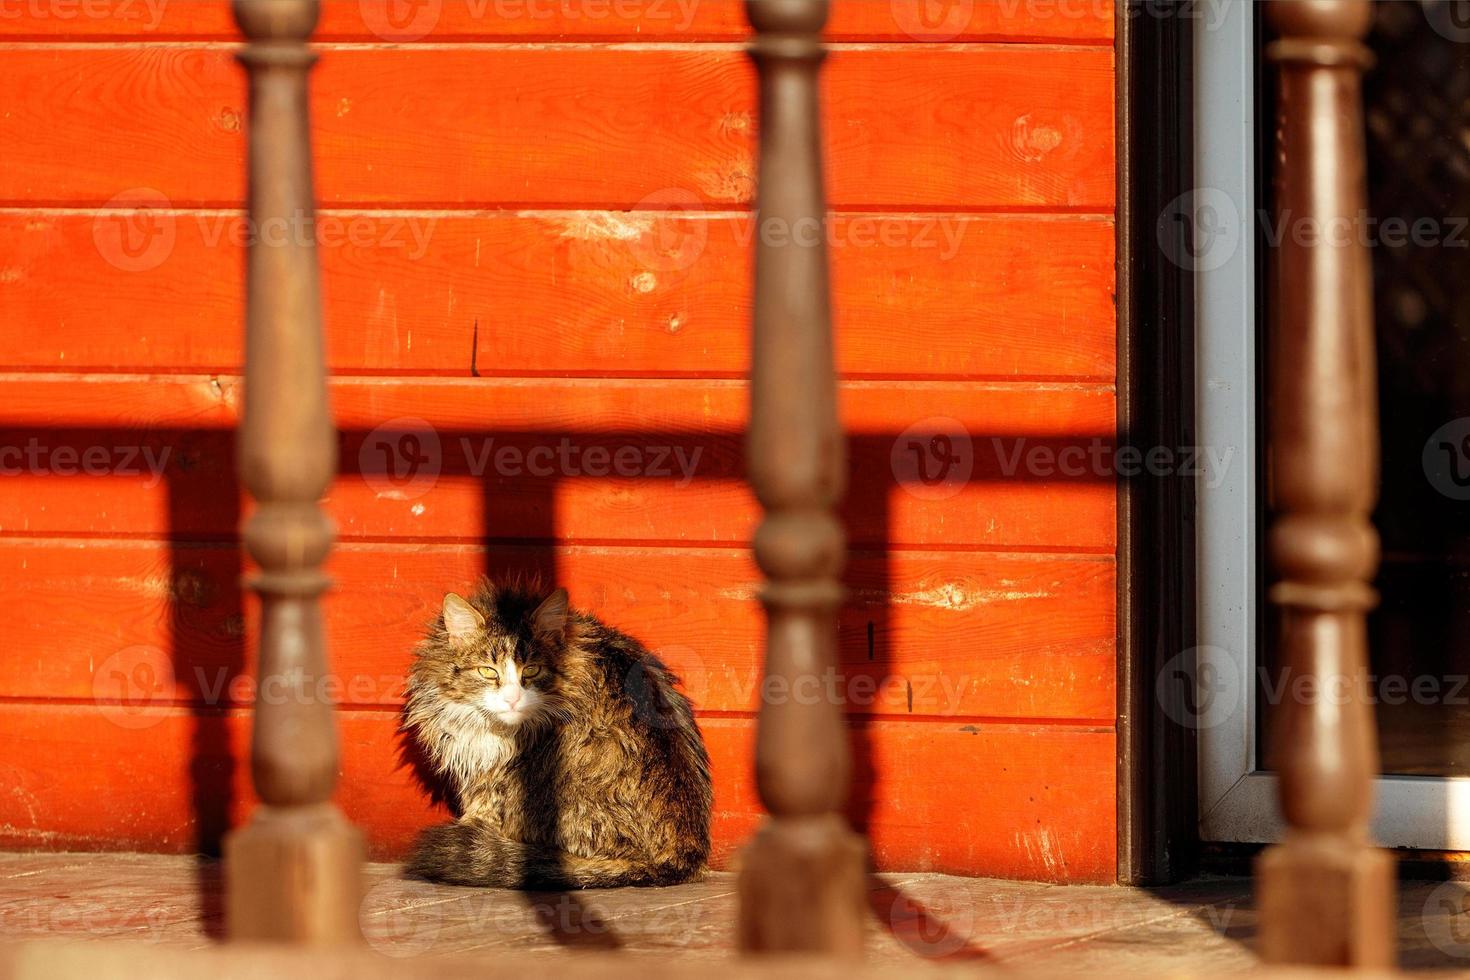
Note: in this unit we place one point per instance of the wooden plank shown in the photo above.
(953, 634)
(165, 899)
(535, 460)
(1186, 938)
(583, 20)
(1003, 127)
(1173, 943)
(79, 782)
(565, 293)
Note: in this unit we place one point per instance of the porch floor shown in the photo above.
(1205, 926)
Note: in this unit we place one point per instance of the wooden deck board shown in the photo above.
(173, 900)
(1201, 928)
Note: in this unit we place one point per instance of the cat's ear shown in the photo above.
(550, 618)
(460, 618)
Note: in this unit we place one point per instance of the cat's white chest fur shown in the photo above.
(471, 750)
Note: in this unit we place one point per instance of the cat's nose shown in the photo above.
(512, 698)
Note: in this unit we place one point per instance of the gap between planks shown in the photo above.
(909, 46)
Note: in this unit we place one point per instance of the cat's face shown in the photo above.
(502, 665)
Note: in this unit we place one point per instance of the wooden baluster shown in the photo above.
(801, 883)
(294, 873)
(1325, 893)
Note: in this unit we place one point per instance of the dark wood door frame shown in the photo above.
(1157, 781)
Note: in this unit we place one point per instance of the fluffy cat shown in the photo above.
(575, 762)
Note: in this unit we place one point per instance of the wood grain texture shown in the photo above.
(1326, 894)
(429, 21)
(564, 293)
(949, 128)
(293, 873)
(953, 634)
(140, 924)
(535, 460)
(589, 222)
(80, 782)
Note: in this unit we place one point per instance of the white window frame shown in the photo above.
(1237, 800)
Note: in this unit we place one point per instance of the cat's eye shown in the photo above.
(489, 673)
(530, 670)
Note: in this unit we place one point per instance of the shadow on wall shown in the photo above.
(518, 530)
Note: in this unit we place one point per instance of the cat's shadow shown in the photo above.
(570, 922)
(411, 756)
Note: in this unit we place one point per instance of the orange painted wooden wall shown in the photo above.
(535, 242)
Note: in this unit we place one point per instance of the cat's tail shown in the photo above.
(468, 853)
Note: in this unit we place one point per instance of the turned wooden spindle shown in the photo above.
(294, 873)
(801, 883)
(1325, 893)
